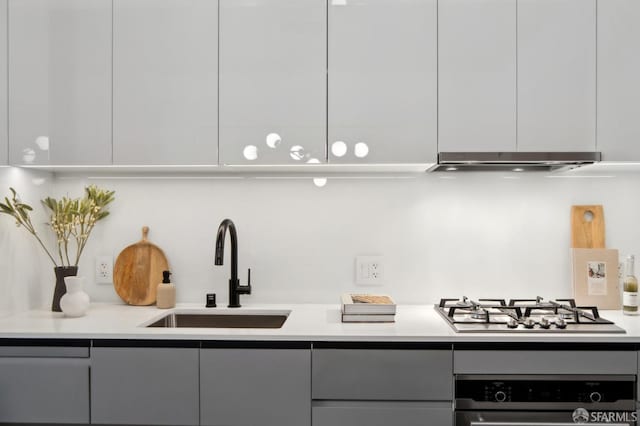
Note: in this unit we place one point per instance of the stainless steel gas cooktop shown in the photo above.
(523, 316)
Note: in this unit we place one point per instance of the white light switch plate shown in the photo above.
(369, 270)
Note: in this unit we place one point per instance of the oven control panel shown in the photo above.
(497, 391)
(543, 389)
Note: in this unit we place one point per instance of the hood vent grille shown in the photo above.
(513, 161)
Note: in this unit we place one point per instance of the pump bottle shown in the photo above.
(166, 294)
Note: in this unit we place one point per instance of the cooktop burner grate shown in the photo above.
(523, 315)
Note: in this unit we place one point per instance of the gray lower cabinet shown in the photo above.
(249, 387)
(380, 386)
(144, 385)
(545, 362)
(382, 374)
(366, 413)
(36, 387)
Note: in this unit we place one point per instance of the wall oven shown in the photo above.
(545, 400)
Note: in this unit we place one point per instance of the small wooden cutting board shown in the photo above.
(138, 271)
(587, 226)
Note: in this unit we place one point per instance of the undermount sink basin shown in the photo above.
(199, 319)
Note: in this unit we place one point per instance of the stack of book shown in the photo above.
(368, 308)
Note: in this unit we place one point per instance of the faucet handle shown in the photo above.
(246, 289)
(249, 281)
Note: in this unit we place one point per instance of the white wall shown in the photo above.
(27, 279)
(441, 235)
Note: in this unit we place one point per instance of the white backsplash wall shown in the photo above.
(440, 235)
(27, 278)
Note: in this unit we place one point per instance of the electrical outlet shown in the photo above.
(369, 270)
(104, 270)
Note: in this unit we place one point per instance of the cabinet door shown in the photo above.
(246, 387)
(165, 82)
(382, 80)
(144, 386)
(272, 81)
(44, 390)
(477, 75)
(556, 75)
(4, 131)
(618, 82)
(362, 413)
(60, 89)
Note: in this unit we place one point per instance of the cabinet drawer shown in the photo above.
(382, 374)
(44, 390)
(352, 413)
(544, 362)
(45, 351)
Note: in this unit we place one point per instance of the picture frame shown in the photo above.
(595, 278)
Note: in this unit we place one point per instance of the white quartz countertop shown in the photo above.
(308, 322)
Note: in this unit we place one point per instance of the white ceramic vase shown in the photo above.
(75, 302)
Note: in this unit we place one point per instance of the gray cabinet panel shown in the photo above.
(359, 413)
(545, 362)
(60, 88)
(247, 387)
(38, 390)
(477, 75)
(148, 386)
(556, 75)
(273, 80)
(44, 351)
(382, 80)
(618, 83)
(4, 131)
(165, 82)
(382, 374)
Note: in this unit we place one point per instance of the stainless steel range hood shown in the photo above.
(513, 161)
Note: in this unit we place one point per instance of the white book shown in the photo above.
(374, 304)
(368, 318)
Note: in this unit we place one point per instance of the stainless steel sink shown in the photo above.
(227, 319)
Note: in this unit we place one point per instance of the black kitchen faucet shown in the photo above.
(235, 289)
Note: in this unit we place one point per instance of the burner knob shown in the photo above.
(500, 396)
(544, 323)
(595, 397)
(560, 323)
(528, 323)
(512, 323)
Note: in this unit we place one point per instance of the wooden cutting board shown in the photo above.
(587, 226)
(138, 271)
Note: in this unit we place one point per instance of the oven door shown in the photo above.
(545, 418)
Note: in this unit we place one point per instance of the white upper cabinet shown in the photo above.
(619, 80)
(60, 82)
(477, 75)
(272, 81)
(4, 131)
(556, 75)
(165, 82)
(382, 81)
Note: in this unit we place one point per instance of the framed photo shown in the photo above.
(595, 278)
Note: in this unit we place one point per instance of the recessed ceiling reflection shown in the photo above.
(339, 148)
(273, 140)
(250, 152)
